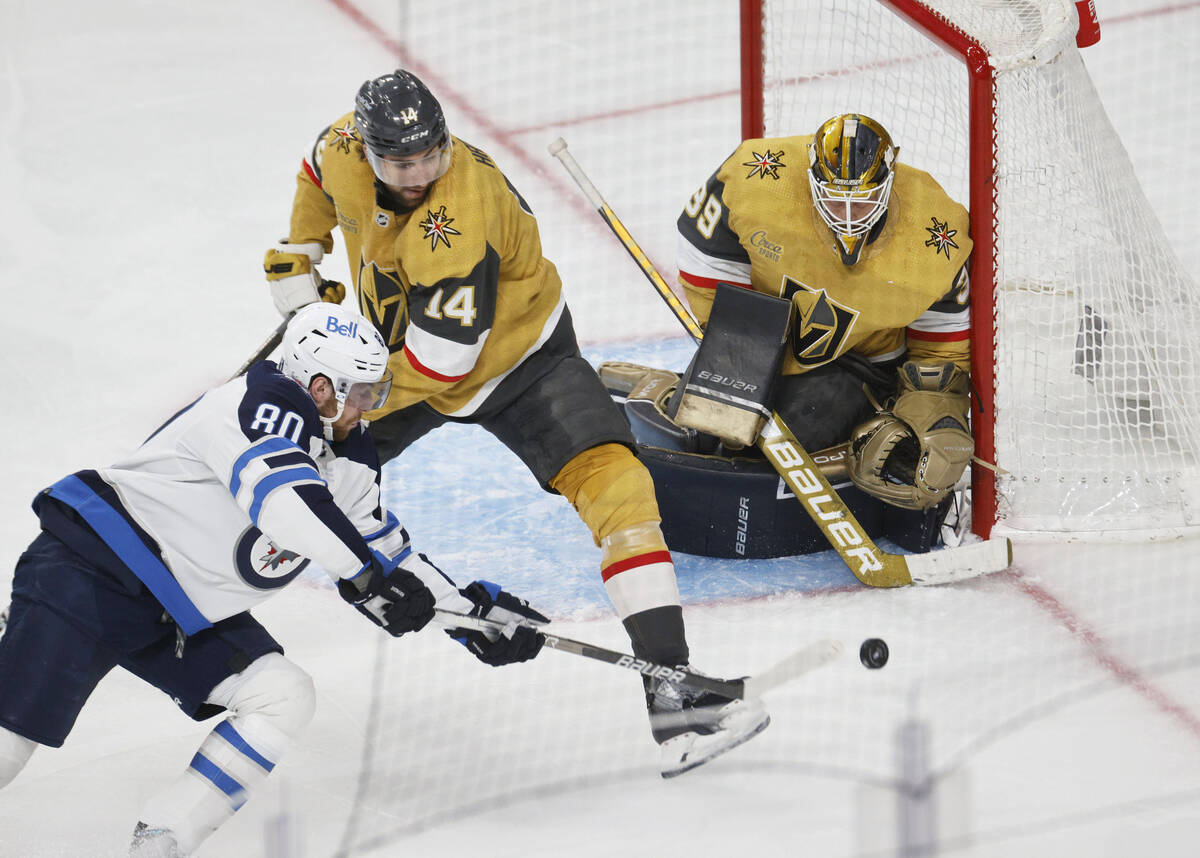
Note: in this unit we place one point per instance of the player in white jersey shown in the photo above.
(154, 563)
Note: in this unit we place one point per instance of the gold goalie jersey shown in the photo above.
(754, 224)
(458, 288)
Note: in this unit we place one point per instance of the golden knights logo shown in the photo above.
(437, 227)
(941, 237)
(767, 164)
(821, 326)
(383, 300)
(344, 137)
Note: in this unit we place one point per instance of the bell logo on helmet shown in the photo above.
(354, 361)
(334, 327)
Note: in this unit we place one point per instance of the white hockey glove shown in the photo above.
(295, 282)
(518, 640)
(389, 595)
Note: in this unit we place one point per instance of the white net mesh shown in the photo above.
(1097, 394)
(1025, 684)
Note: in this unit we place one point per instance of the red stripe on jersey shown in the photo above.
(311, 175)
(632, 562)
(426, 371)
(938, 336)
(707, 282)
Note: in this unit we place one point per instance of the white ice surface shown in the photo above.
(147, 155)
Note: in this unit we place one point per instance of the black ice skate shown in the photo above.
(693, 726)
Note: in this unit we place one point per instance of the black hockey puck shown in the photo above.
(873, 653)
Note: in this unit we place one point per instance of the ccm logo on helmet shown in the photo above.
(350, 330)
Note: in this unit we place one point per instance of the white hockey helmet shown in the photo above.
(336, 342)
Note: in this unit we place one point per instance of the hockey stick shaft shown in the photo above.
(810, 658)
(559, 150)
(265, 349)
(273, 341)
(869, 563)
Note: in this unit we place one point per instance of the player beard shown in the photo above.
(407, 199)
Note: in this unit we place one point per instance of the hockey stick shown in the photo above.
(276, 336)
(869, 563)
(798, 663)
(265, 349)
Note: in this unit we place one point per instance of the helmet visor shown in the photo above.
(368, 395)
(410, 172)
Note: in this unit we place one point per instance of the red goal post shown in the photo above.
(1076, 337)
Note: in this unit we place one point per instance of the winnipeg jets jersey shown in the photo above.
(232, 497)
(754, 224)
(458, 288)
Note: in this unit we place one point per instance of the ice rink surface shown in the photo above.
(148, 153)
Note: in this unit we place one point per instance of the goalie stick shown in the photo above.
(800, 662)
(869, 563)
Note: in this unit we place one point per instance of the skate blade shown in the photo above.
(701, 749)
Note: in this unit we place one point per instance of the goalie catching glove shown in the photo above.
(389, 595)
(295, 282)
(516, 640)
(913, 454)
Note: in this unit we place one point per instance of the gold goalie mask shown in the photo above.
(850, 173)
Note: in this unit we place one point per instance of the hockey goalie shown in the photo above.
(832, 283)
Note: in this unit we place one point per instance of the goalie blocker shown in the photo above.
(727, 389)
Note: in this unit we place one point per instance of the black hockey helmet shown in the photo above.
(397, 115)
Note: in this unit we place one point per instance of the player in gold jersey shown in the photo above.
(447, 264)
(862, 344)
(872, 254)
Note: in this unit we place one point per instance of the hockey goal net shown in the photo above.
(1085, 319)
(1031, 687)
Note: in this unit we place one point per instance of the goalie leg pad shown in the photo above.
(727, 389)
(648, 396)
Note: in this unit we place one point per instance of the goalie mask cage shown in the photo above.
(1084, 319)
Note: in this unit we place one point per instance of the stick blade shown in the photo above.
(960, 563)
(797, 664)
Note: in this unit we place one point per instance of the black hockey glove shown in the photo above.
(517, 640)
(395, 599)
